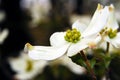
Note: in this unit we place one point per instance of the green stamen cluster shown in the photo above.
(72, 35)
(103, 31)
(29, 66)
(112, 33)
(108, 31)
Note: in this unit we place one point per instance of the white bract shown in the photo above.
(67, 62)
(72, 41)
(25, 67)
(3, 35)
(110, 33)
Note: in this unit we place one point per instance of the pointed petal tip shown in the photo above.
(111, 8)
(29, 46)
(99, 7)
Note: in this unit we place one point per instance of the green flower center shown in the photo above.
(72, 35)
(109, 31)
(112, 33)
(29, 66)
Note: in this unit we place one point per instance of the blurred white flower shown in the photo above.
(39, 9)
(105, 78)
(26, 68)
(110, 33)
(3, 35)
(2, 16)
(71, 41)
(67, 62)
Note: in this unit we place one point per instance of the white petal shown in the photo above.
(57, 39)
(23, 76)
(40, 65)
(79, 26)
(27, 75)
(115, 41)
(77, 69)
(3, 35)
(82, 44)
(94, 18)
(97, 23)
(76, 47)
(47, 53)
(112, 22)
(95, 41)
(18, 64)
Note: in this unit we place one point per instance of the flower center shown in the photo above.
(112, 33)
(72, 35)
(109, 31)
(29, 66)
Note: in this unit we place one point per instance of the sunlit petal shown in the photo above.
(77, 69)
(83, 43)
(57, 39)
(97, 24)
(95, 40)
(115, 41)
(79, 26)
(112, 22)
(47, 53)
(76, 47)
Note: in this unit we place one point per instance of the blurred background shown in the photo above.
(34, 21)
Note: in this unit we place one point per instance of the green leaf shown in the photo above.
(78, 59)
(92, 62)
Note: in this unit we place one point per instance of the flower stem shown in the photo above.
(107, 49)
(107, 54)
(88, 65)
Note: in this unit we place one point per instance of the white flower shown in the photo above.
(110, 33)
(25, 67)
(2, 16)
(39, 9)
(67, 62)
(98, 20)
(3, 35)
(71, 41)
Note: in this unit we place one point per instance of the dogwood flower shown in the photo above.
(110, 33)
(3, 35)
(72, 41)
(25, 67)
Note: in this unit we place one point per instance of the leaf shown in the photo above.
(78, 59)
(92, 62)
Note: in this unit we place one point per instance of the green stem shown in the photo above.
(107, 54)
(88, 65)
(107, 49)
